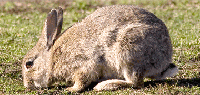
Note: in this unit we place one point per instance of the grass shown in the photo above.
(21, 24)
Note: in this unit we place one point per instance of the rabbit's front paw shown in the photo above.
(72, 89)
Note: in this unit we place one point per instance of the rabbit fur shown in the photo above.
(116, 46)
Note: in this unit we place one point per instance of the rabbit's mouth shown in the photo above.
(34, 85)
(39, 85)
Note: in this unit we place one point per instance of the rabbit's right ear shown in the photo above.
(60, 20)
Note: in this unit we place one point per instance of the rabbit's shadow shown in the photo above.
(178, 82)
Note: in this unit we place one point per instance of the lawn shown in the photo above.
(21, 24)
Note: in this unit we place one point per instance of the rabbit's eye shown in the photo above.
(29, 64)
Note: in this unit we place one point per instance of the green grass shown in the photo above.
(21, 25)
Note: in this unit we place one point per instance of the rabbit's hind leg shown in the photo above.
(112, 84)
(136, 78)
(131, 80)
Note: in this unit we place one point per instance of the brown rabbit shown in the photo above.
(116, 46)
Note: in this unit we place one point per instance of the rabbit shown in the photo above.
(116, 46)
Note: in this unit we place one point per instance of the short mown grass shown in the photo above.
(21, 24)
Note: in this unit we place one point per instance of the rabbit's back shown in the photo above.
(116, 37)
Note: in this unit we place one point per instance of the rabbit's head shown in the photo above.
(36, 65)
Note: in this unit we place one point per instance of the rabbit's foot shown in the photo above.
(114, 84)
(75, 88)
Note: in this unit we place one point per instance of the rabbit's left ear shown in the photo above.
(53, 26)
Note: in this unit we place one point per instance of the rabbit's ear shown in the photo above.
(51, 27)
(60, 20)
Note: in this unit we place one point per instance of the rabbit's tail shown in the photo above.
(113, 84)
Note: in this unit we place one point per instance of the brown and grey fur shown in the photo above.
(116, 46)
